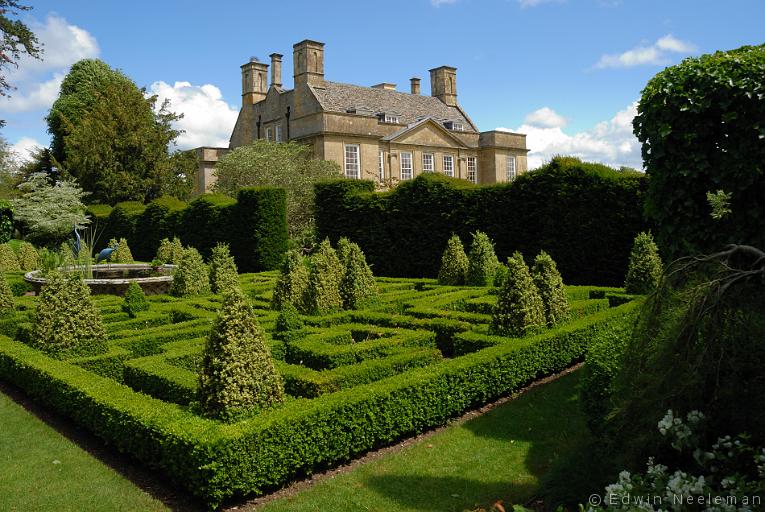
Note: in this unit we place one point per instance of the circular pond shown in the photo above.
(115, 279)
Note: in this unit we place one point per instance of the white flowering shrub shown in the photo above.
(728, 477)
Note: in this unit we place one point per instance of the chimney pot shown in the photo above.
(276, 69)
(385, 85)
(415, 85)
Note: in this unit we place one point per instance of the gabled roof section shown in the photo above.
(339, 97)
(393, 137)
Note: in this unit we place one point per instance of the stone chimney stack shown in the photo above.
(308, 59)
(254, 78)
(443, 84)
(415, 85)
(276, 69)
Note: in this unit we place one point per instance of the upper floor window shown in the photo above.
(352, 161)
(511, 173)
(382, 166)
(449, 165)
(427, 162)
(406, 165)
(472, 169)
(269, 133)
(457, 126)
(391, 118)
(278, 133)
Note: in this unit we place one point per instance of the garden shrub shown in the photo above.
(292, 283)
(6, 296)
(169, 251)
(66, 322)
(191, 276)
(288, 320)
(519, 309)
(134, 300)
(122, 254)
(551, 290)
(223, 271)
(501, 276)
(342, 249)
(29, 258)
(238, 375)
(323, 292)
(9, 262)
(454, 263)
(263, 242)
(482, 261)
(645, 267)
(700, 125)
(357, 286)
(6, 221)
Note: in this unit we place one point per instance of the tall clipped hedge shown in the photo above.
(584, 215)
(702, 130)
(254, 225)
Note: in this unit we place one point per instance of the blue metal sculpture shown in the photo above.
(106, 254)
(77, 243)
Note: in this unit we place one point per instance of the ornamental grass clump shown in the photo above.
(645, 267)
(191, 276)
(454, 263)
(9, 262)
(29, 258)
(482, 261)
(122, 254)
(519, 310)
(223, 272)
(323, 292)
(134, 300)
(238, 376)
(6, 296)
(66, 322)
(170, 251)
(357, 286)
(292, 284)
(551, 289)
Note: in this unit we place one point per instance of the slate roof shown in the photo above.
(405, 129)
(339, 97)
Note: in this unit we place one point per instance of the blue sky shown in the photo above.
(567, 72)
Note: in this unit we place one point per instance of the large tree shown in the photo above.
(16, 41)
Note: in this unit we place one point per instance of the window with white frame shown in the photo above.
(382, 166)
(269, 133)
(449, 165)
(352, 161)
(406, 165)
(472, 169)
(391, 118)
(278, 133)
(511, 167)
(427, 162)
(458, 127)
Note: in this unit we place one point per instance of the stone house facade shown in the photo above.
(375, 132)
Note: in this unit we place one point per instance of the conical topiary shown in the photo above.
(191, 276)
(29, 258)
(292, 284)
(551, 289)
(288, 322)
(123, 253)
(323, 292)
(223, 272)
(6, 296)
(482, 261)
(9, 262)
(454, 263)
(170, 251)
(519, 310)
(343, 248)
(500, 276)
(66, 322)
(645, 267)
(358, 286)
(238, 375)
(134, 300)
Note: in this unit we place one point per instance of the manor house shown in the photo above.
(376, 132)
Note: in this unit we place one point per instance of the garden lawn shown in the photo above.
(42, 470)
(501, 455)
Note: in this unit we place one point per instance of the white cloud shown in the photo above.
(533, 3)
(36, 96)
(439, 3)
(655, 54)
(610, 142)
(24, 147)
(207, 119)
(545, 117)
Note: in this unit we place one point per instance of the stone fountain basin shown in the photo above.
(114, 279)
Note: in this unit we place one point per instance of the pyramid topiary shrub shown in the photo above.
(191, 276)
(6, 296)
(223, 271)
(323, 292)
(343, 248)
(9, 262)
(170, 251)
(66, 322)
(551, 289)
(358, 286)
(29, 258)
(292, 284)
(123, 253)
(288, 322)
(482, 261)
(238, 375)
(454, 263)
(134, 300)
(645, 265)
(519, 310)
(501, 276)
